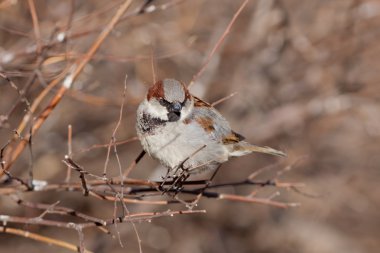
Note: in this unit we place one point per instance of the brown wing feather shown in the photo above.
(200, 103)
(232, 138)
(214, 123)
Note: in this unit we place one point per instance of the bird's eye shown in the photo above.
(164, 102)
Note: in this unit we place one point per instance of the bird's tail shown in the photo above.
(267, 150)
(244, 148)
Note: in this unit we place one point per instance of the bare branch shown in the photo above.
(218, 44)
(41, 238)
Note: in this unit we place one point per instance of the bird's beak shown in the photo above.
(175, 112)
(176, 107)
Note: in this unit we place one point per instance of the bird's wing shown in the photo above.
(219, 130)
(213, 123)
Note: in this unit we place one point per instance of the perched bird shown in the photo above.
(182, 131)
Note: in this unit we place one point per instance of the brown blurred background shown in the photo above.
(307, 77)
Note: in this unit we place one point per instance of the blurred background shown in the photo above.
(307, 78)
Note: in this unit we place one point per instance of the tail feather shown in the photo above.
(244, 148)
(267, 150)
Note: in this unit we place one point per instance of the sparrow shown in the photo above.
(183, 132)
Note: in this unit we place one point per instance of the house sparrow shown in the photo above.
(183, 132)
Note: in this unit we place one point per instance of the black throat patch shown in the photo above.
(148, 124)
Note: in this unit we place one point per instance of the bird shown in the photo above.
(186, 133)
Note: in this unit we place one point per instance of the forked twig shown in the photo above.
(71, 164)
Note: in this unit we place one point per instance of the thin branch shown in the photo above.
(248, 199)
(31, 164)
(153, 65)
(142, 216)
(113, 137)
(57, 210)
(218, 44)
(71, 164)
(133, 164)
(69, 151)
(36, 26)
(117, 143)
(41, 238)
(223, 99)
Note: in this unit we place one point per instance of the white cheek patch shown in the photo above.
(156, 110)
(186, 110)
